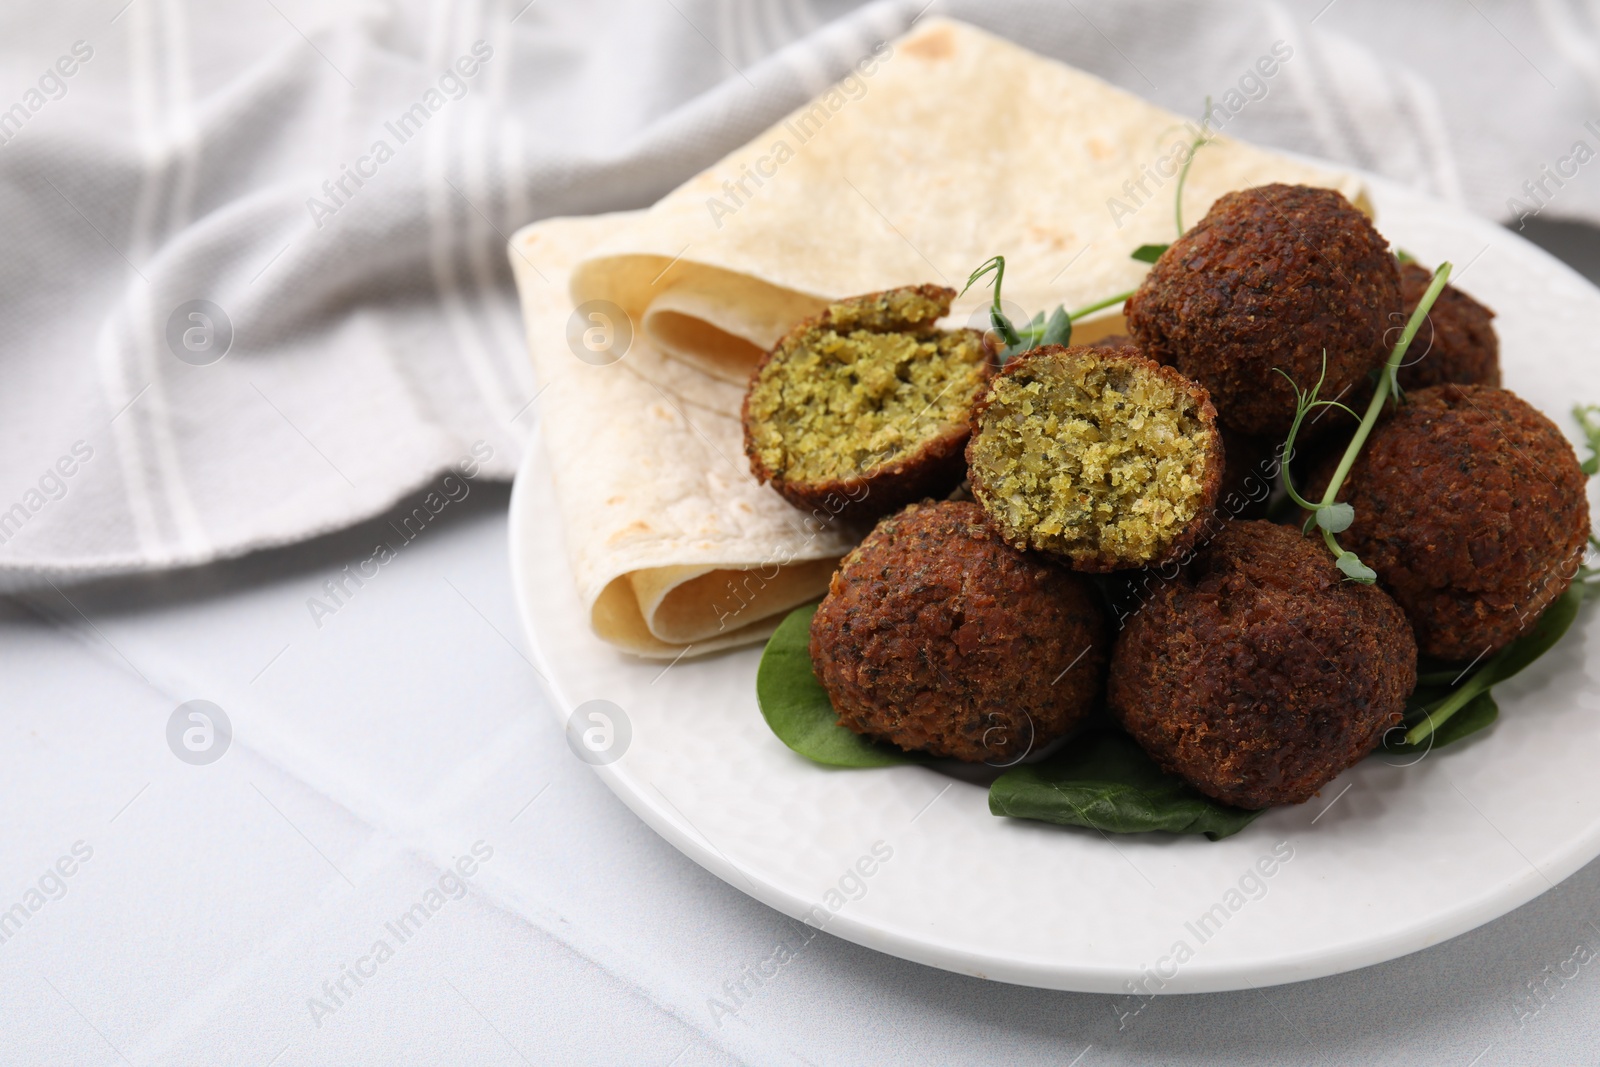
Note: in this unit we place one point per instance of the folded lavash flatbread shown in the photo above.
(675, 547)
(940, 150)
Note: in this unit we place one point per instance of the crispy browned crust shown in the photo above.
(934, 469)
(1131, 355)
(1111, 340)
(1270, 278)
(1471, 506)
(1259, 674)
(937, 637)
(1456, 342)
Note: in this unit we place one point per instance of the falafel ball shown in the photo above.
(1099, 457)
(938, 637)
(867, 406)
(1456, 342)
(1471, 506)
(1270, 279)
(1259, 673)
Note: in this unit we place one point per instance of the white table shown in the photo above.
(372, 752)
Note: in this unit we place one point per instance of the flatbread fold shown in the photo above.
(938, 151)
(675, 547)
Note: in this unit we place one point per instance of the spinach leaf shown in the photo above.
(1148, 253)
(797, 708)
(1588, 416)
(1506, 663)
(1555, 622)
(1481, 711)
(1058, 330)
(1106, 782)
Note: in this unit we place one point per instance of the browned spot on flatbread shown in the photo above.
(935, 44)
(632, 530)
(1042, 236)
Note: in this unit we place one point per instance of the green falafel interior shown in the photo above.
(1097, 456)
(869, 382)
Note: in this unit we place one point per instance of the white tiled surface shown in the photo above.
(220, 898)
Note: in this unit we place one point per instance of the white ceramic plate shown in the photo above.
(1394, 856)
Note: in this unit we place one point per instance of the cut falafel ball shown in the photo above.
(938, 637)
(1259, 674)
(1268, 281)
(1099, 457)
(1471, 506)
(867, 406)
(1456, 342)
(1251, 472)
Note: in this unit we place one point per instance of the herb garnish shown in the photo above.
(1057, 328)
(1151, 253)
(1333, 517)
(1054, 330)
(1183, 175)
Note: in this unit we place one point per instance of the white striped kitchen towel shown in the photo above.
(254, 283)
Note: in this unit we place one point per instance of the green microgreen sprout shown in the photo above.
(1151, 253)
(995, 265)
(1436, 715)
(1200, 141)
(1403, 256)
(1099, 305)
(1054, 329)
(1332, 517)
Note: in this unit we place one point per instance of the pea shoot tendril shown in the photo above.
(1333, 517)
(1056, 329)
(1201, 140)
